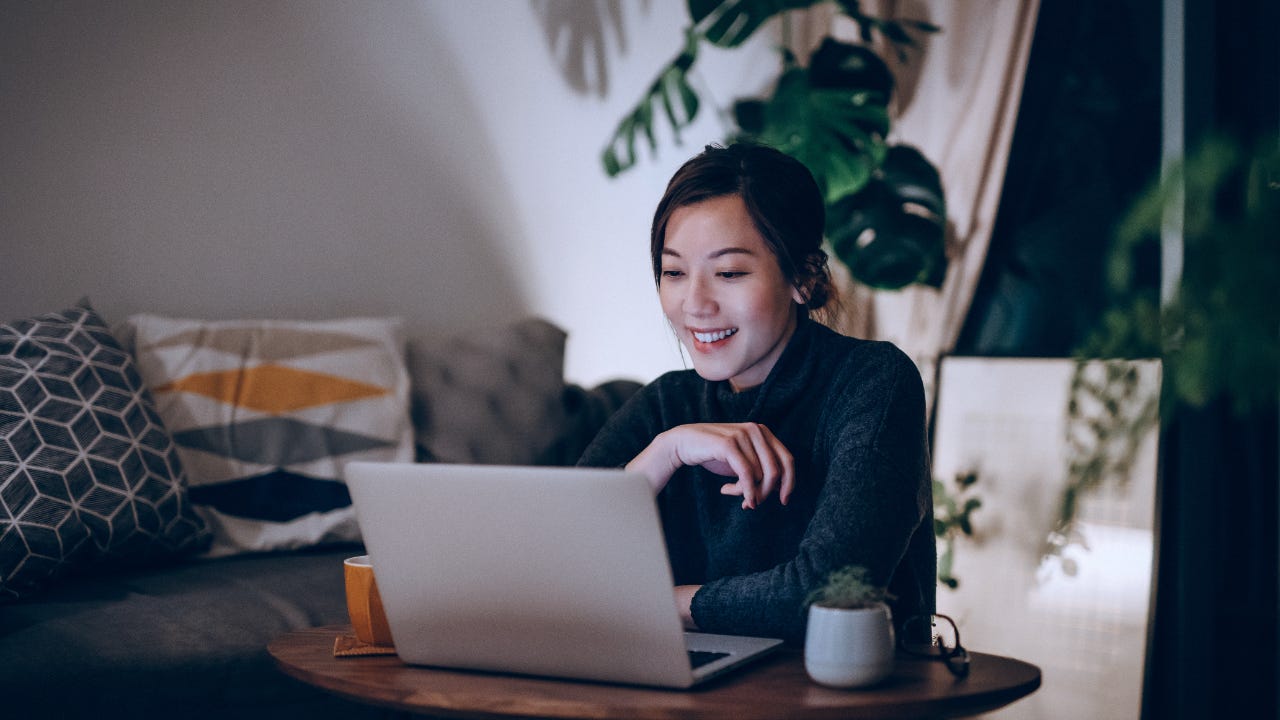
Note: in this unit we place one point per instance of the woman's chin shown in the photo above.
(710, 374)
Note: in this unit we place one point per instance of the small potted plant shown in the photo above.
(849, 640)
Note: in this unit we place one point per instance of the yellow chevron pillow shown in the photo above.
(265, 413)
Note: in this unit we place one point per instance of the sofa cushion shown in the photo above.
(88, 472)
(182, 641)
(493, 396)
(266, 412)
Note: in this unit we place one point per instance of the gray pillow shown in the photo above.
(493, 396)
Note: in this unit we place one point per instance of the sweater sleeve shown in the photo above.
(875, 494)
(628, 431)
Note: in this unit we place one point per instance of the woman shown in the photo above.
(789, 451)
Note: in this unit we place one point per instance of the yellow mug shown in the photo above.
(364, 604)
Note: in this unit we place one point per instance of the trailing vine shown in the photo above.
(951, 519)
(1217, 337)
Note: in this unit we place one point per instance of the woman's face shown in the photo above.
(723, 291)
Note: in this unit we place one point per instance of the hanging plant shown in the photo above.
(886, 213)
(1217, 336)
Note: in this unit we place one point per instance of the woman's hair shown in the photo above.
(781, 197)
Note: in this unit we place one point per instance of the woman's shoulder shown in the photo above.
(859, 354)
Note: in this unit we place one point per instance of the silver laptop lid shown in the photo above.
(543, 571)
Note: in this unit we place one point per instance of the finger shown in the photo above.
(766, 449)
(787, 463)
(751, 479)
(788, 477)
(745, 474)
(734, 488)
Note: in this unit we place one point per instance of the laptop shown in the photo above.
(558, 572)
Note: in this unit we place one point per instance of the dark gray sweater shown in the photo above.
(852, 414)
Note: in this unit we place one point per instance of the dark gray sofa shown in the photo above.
(188, 638)
(185, 640)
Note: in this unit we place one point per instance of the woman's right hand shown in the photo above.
(746, 451)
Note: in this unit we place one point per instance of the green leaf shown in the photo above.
(895, 33)
(891, 29)
(838, 135)
(671, 92)
(728, 23)
(922, 26)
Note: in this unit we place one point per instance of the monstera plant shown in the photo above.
(886, 213)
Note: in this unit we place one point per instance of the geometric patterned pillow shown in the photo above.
(266, 412)
(87, 469)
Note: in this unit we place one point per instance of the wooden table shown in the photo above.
(775, 687)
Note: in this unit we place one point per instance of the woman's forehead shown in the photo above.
(713, 229)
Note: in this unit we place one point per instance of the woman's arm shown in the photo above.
(650, 434)
(875, 494)
(746, 451)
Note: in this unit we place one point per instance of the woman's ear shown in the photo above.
(802, 292)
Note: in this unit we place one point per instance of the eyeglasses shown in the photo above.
(935, 637)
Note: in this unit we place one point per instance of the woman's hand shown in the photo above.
(746, 451)
(684, 602)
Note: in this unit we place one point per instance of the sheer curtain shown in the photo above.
(956, 101)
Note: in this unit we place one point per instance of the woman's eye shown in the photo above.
(731, 274)
(671, 273)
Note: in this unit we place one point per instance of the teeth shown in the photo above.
(715, 336)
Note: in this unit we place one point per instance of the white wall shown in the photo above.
(433, 159)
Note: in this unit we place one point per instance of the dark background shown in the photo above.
(1087, 143)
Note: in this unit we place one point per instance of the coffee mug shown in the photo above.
(364, 604)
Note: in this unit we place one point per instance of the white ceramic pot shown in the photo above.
(848, 648)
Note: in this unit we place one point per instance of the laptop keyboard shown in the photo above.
(698, 658)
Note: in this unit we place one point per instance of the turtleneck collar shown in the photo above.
(785, 378)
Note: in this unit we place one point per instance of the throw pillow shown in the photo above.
(266, 412)
(494, 396)
(87, 469)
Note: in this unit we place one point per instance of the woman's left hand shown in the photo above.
(684, 601)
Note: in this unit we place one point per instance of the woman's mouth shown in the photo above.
(713, 336)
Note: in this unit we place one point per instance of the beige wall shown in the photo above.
(264, 158)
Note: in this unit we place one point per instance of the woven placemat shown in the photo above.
(348, 645)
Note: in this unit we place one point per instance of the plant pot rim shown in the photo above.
(873, 605)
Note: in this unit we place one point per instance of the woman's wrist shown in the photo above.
(656, 462)
(684, 602)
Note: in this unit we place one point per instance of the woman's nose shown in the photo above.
(699, 299)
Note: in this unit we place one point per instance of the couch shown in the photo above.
(170, 617)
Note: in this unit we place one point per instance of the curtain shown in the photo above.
(956, 101)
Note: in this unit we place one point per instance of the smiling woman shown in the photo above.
(719, 279)
(777, 404)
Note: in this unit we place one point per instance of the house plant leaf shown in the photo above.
(892, 233)
(728, 23)
(838, 135)
(671, 92)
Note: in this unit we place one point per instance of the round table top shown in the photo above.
(774, 687)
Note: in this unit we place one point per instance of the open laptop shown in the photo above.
(539, 571)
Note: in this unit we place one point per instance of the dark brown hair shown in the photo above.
(782, 199)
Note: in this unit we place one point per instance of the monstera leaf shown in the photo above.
(832, 116)
(892, 232)
(885, 206)
(728, 23)
(841, 66)
(671, 95)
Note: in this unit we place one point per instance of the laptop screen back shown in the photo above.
(543, 571)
